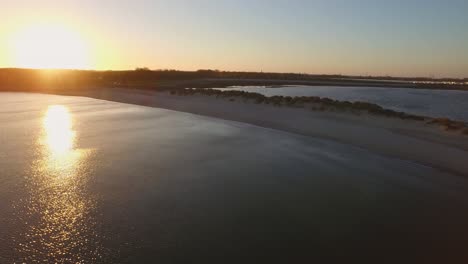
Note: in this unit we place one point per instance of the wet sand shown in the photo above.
(404, 139)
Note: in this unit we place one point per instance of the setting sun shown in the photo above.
(47, 46)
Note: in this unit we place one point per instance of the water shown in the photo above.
(90, 181)
(427, 102)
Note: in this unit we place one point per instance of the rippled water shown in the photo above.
(428, 102)
(90, 181)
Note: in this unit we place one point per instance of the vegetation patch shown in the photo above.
(316, 103)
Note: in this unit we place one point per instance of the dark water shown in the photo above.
(427, 102)
(90, 181)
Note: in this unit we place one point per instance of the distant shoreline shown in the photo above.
(223, 83)
(53, 80)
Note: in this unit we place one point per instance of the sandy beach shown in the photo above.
(403, 139)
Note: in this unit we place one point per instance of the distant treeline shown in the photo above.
(52, 80)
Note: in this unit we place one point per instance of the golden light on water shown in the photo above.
(58, 130)
(61, 228)
(58, 142)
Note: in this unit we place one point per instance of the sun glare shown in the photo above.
(45, 46)
(58, 128)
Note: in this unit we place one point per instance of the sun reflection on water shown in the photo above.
(61, 226)
(61, 159)
(58, 130)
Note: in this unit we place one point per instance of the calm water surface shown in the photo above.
(90, 181)
(428, 102)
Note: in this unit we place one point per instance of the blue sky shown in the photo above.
(408, 38)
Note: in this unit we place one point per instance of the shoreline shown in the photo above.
(411, 140)
(37, 80)
(228, 82)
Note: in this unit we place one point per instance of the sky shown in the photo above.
(360, 37)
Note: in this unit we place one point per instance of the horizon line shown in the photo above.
(235, 71)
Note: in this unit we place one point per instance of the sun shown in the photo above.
(47, 46)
